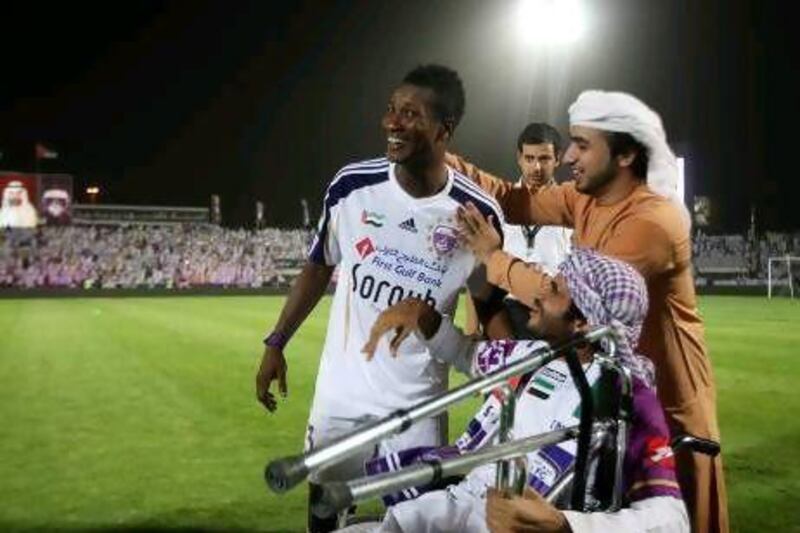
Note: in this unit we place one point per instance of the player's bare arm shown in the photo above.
(414, 315)
(306, 291)
(408, 316)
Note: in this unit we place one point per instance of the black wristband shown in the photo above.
(276, 339)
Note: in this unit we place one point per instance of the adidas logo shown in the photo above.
(408, 225)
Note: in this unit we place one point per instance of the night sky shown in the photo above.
(169, 102)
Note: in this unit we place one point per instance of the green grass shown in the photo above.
(140, 413)
(755, 348)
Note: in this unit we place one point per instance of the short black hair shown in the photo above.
(449, 99)
(623, 144)
(540, 133)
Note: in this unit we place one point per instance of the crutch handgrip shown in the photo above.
(335, 497)
(283, 474)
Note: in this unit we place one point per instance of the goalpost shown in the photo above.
(783, 265)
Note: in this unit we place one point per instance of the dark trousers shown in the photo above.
(316, 524)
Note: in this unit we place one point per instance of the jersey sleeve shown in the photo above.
(325, 248)
(649, 462)
(650, 479)
(449, 345)
(473, 357)
(654, 515)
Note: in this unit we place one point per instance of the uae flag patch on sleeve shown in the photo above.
(541, 387)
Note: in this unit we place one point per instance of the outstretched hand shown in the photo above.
(403, 318)
(478, 233)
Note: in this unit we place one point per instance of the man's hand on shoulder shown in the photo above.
(479, 234)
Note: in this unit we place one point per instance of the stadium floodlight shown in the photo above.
(550, 21)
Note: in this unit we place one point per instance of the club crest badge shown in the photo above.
(444, 238)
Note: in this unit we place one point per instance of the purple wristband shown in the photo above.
(277, 339)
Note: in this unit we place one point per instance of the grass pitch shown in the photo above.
(140, 413)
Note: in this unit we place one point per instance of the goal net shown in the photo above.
(783, 275)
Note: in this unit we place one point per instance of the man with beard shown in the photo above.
(16, 210)
(586, 291)
(623, 202)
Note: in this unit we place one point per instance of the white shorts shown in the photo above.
(323, 430)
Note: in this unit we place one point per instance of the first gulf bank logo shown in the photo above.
(364, 247)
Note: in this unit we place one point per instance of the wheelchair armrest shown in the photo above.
(696, 444)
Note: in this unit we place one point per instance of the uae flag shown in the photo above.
(43, 152)
(541, 387)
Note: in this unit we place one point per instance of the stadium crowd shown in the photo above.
(721, 252)
(744, 260)
(175, 256)
(111, 257)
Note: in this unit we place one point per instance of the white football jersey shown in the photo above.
(388, 246)
(547, 246)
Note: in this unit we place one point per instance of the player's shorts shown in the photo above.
(322, 430)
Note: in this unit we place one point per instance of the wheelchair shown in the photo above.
(601, 435)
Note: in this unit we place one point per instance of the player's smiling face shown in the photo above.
(412, 130)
